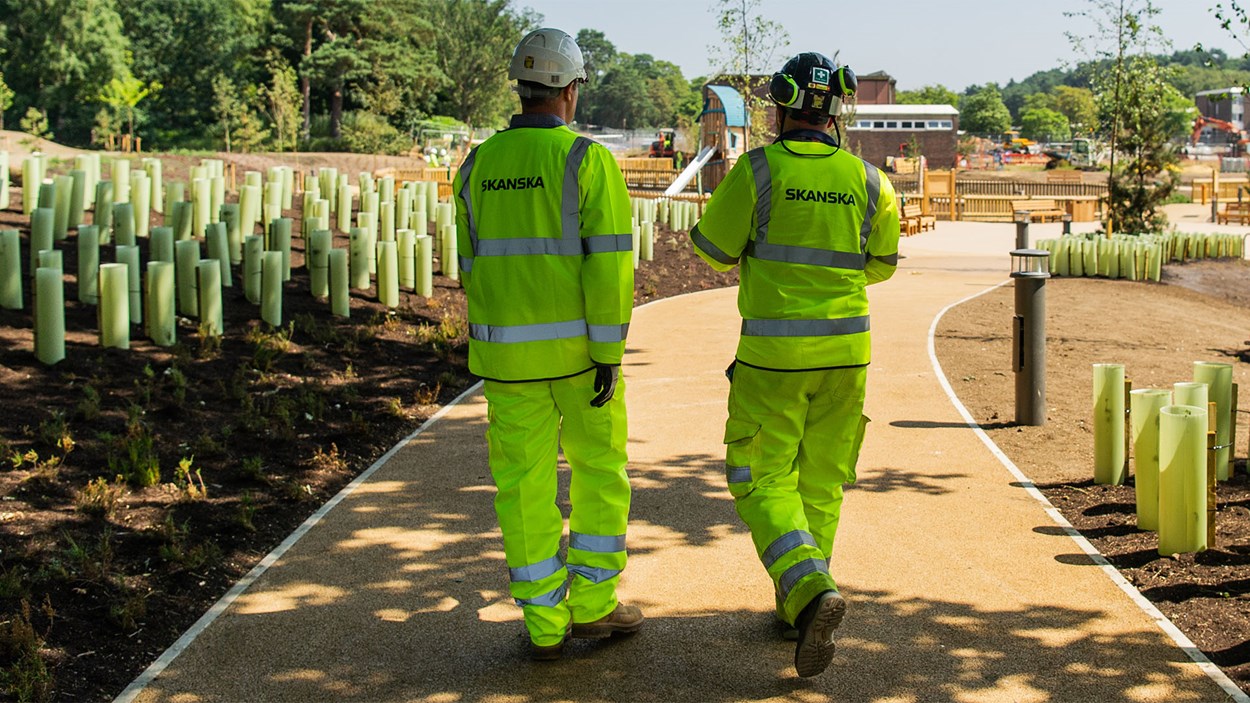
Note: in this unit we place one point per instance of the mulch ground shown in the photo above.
(1157, 332)
(250, 433)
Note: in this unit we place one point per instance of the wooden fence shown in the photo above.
(979, 199)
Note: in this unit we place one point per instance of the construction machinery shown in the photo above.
(1082, 153)
(1012, 141)
(662, 147)
(1236, 138)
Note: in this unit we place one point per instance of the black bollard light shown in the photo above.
(1030, 268)
(1022, 229)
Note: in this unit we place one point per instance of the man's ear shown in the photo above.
(569, 92)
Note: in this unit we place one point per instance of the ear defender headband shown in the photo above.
(786, 92)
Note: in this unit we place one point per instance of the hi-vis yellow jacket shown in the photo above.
(544, 235)
(811, 227)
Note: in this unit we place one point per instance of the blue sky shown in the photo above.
(956, 43)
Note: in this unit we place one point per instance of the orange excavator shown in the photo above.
(1238, 137)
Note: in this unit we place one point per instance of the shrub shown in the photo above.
(99, 497)
(367, 133)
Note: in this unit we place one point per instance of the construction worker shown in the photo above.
(543, 226)
(811, 225)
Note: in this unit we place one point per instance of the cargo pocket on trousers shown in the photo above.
(857, 445)
(740, 453)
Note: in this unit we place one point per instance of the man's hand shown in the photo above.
(605, 384)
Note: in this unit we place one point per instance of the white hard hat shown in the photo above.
(549, 57)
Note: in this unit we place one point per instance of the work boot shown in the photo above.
(816, 624)
(551, 652)
(625, 619)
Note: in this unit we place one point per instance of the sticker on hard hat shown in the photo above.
(529, 61)
(818, 101)
(820, 76)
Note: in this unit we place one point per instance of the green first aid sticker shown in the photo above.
(820, 76)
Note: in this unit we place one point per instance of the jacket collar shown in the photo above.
(536, 119)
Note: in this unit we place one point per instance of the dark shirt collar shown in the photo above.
(536, 119)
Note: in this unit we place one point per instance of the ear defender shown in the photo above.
(783, 90)
(847, 83)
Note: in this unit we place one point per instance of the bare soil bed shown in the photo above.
(96, 579)
(1201, 312)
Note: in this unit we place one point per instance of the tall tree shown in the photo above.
(1077, 104)
(983, 112)
(184, 45)
(281, 103)
(57, 54)
(123, 96)
(476, 39)
(300, 19)
(929, 95)
(1121, 34)
(750, 44)
(6, 98)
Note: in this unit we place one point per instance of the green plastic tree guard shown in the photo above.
(344, 208)
(1108, 418)
(201, 203)
(186, 261)
(219, 250)
(161, 244)
(88, 264)
(368, 221)
(161, 326)
(319, 243)
(156, 183)
(1190, 393)
(407, 259)
(123, 223)
(209, 272)
(386, 221)
(271, 288)
(77, 197)
(280, 241)
(114, 306)
(425, 265)
(64, 189)
(1145, 404)
(129, 255)
(1182, 479)
(49, 315)
(253, 250)
(40, 234)
(339, 296)
(121, 181)
(234, 235)
(648, 241)
(180, 212)
(359, 270)
(1218, 377)
(451, 260)
(388, 274)
(141, 202)
(10, 270)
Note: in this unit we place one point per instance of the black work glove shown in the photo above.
(729, 372)
(605, 384)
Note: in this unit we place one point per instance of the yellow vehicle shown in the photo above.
(1012, 141)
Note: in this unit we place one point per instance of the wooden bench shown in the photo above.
(1234, 212)
(1039, 209)
(1064, 177)
(912, 221)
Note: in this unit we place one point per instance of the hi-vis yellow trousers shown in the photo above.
(529, 423)
(792, 440)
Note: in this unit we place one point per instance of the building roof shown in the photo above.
(897, 110)
(877, 76)
(1235, 90)
(735, 108)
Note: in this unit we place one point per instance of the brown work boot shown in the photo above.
(819, 619)
(551, 652)
(625, 619)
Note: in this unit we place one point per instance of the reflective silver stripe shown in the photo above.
(549, 599)
(706, 246)
(872, 182)
(763, 192)
(527, 246)
(891, 259)
(510, 334)
(593, 574)
(804, 328)
(607, 333)
(596, 543)
(798, 571)
(537, 571)
(806, 255)
(784, 544)
(465, 193)
(570, 205)
(466, 263)
(607, 243)
(738, 474)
